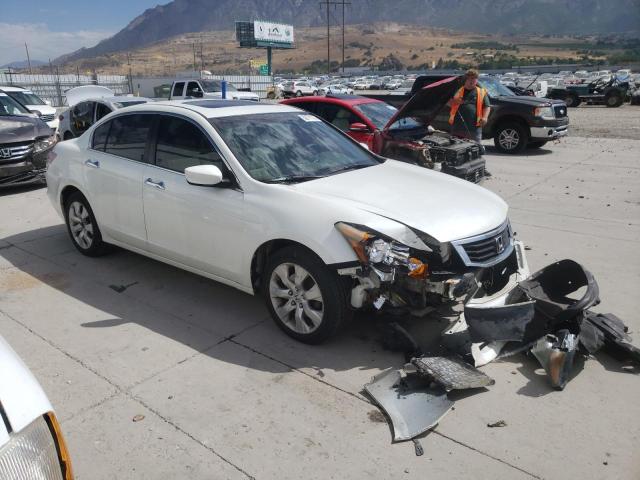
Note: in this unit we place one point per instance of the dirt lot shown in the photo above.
(218, 391)
(600, 121)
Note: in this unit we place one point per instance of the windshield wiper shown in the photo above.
(351, 167)
(293, 178)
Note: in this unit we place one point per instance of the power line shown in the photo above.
(335, 3)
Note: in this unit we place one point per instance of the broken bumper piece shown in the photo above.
(412, 403)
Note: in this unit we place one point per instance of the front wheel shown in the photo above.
(510, 138)
(315, 93)
(298, 93)
(305, 299)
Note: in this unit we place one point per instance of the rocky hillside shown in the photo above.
(498, 16)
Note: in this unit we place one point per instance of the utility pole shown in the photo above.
(194, 56)
(130, 75)
(28, 59)
(334, 3)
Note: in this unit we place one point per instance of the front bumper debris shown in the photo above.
(412, 404)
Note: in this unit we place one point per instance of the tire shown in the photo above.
(67, 135)
(315, 93)
(298, 93)
(510, 137)
(271, 96)
(80, 219)
(613, 100)
(312, 320)
(572, 100)
(539, 144)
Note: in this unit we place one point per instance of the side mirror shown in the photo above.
(358, 127)
(203, 175)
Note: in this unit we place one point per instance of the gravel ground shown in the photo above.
(600, 121)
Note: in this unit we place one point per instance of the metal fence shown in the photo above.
(52, 87)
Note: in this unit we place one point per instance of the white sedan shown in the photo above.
(273, 201)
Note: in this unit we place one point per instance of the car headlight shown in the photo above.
(544, 112)
(36, 451)
(44, 144)
(374, 248)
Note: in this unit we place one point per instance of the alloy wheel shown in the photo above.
(509, 138)
(80, 225)
(296, 298)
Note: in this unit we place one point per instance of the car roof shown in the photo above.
(215, 108)
(337, 99)
(8, 88)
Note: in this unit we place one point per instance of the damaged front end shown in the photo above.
(416, 276)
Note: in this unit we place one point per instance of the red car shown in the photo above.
(397, 134)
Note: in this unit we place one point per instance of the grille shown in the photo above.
(486, 249)
(560, 111)
(47, 118)
(14, 151)
(475, 176)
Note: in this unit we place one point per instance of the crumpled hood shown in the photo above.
(437, 204)
(22, 129)
(427, 101)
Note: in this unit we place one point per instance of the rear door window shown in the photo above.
(181, 144)
(128, 136)
(101, 110)
(82, 115)
(177, 89)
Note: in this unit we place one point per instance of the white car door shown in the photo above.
(197, 226)
(113, 174)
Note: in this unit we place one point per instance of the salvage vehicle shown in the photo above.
(87, 105)
(34, 104)
(274, 201)
(515, 123)
(609, 91)
(299, 89)
(31, 441)
(395, 134)
(196, 88)
(25, 144)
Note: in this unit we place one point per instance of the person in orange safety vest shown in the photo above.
(470, 109)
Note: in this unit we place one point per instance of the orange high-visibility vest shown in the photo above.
(480, 93)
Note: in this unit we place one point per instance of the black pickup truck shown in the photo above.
(516, 122)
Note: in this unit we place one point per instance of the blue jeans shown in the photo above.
(475, 134)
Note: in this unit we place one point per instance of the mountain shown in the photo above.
(498, 16)
(23, 64)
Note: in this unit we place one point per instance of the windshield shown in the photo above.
(8, 106)
(494, 87)
(214, 86)
(274, 146)
(380, 113)
(27, 98)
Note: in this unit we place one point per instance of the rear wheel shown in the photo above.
(510, 137)
(82, 226)
(572, 100)
(298, 93)
(613, 99)
(537, 144)
(306, 299)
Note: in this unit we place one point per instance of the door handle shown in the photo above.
(92, 163)
(151, 183)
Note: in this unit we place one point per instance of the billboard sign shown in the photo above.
(272, 32)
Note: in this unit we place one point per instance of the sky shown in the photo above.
(53, 28)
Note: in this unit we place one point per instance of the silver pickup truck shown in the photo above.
(196, 88)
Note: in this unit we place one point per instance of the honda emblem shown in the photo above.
(5, 153)
(499, 244)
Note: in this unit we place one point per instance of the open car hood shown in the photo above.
(425, 104)
(87, 92)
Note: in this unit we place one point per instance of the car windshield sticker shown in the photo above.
(309, 118)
